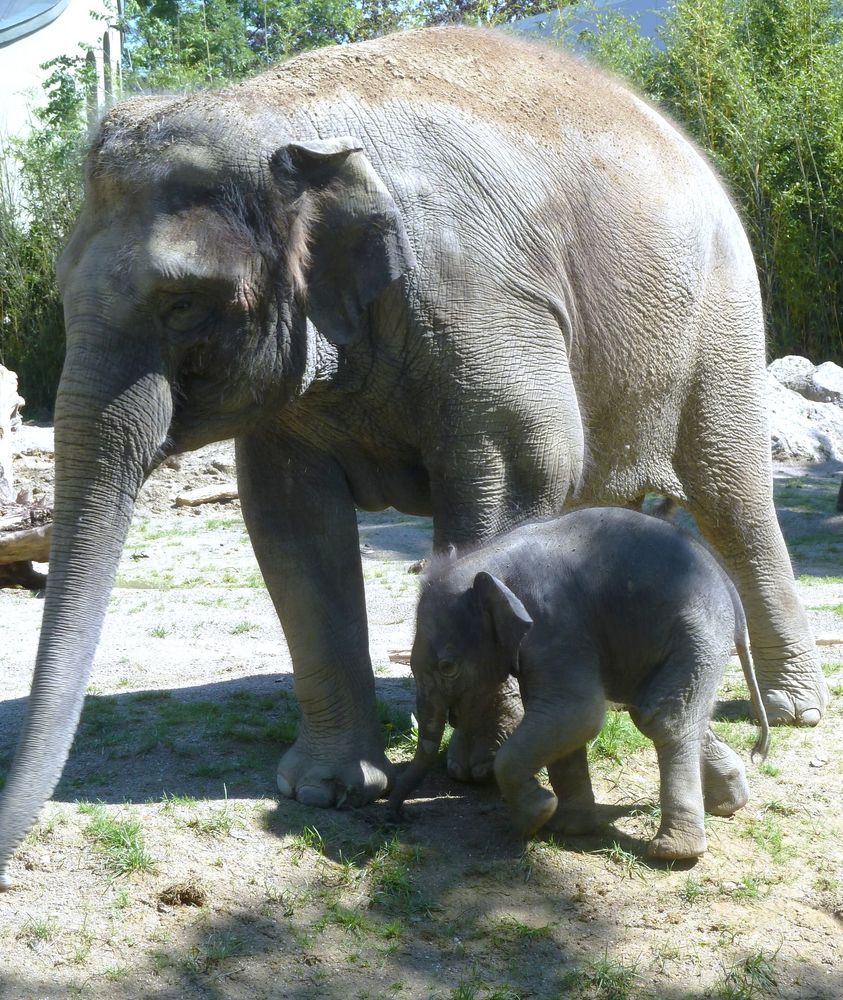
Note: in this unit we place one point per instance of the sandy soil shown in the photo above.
(165, 867)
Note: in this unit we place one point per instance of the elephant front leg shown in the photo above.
(556, 737)
(303, 527)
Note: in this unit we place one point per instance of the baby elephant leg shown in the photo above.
(681, 833)
(542, 739)
(725, 788)
(571, 781)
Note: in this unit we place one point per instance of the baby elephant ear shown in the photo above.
(352, 243)
(510, 619)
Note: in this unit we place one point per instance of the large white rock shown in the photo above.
(802, 430)
(10, 404)
(827, 382)
(821, 383)
(793, 372)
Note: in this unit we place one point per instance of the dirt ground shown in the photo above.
(166, 867)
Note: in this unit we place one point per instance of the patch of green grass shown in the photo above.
(343, 916)
(767, 834)
(310, 839)
(604, 978)
(159, 632)
(509, 930)
(836, 609)
(749, 888)
(750, 979)
(825, 883)
(216, 949)
(629, 863)
(400, 729)
(819, 581)
(241, 628)
(617, 739)
(38, 930)
(691, 890)
(218, 822)
(389, 873)
(171, 802)
(221, 523)
(769, 769)
(119, 841)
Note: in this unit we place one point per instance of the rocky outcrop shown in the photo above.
(806, 410)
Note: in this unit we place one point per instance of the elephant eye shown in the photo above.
(448, 669)
(186, 314)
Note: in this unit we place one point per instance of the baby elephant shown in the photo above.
(598, 604)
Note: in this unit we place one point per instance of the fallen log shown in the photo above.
(27, 545)
(207, 494)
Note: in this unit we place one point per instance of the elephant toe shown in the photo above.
(809, 717)
(321, 794)
(787, 709)
(350, 780)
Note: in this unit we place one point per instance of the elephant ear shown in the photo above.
(509, 619)
(348, 241)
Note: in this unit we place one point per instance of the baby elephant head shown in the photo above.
(467, 642)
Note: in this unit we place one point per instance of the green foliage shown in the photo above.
(757, 84)
(40, 194)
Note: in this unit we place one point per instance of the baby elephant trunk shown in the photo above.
(431, 728)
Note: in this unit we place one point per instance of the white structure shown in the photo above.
(33, 32)
(647, 13)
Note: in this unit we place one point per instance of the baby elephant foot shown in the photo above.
(677, 844)
(532, 809)
(725, 788)
(572, 821)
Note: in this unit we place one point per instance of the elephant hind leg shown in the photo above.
(681, 833)
(725, 788)
(725, 467)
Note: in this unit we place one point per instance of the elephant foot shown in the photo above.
(471, 754)
(571, 821)
(796, 693)
(725, 788)
(532, 810)
(353, 778)
(677, 844)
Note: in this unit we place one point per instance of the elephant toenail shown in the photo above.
(285, 788)
(810, 717)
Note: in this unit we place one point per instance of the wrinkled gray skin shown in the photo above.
(599, 604)
(446, 271)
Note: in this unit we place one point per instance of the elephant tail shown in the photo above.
(762, 744)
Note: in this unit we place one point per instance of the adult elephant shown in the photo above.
(447, 270)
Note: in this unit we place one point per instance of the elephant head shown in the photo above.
(467, 643)
(209, 275)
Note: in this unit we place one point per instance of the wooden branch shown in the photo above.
(28, 545)
(220, 493)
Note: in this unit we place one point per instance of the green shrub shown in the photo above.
(40, 195)
(757, 83)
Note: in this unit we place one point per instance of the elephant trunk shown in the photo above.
(431, 727)
(109, 428)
